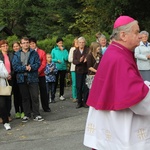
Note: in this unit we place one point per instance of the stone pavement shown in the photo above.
(62, 129)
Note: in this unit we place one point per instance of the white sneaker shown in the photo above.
(25, 119)
(7, 126)
(38, 118)
(50, 100)
(61, 98)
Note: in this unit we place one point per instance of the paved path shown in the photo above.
(63, 129)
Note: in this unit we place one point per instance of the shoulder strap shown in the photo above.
(7, 83)
(93, 67)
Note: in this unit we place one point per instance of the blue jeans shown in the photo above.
(51, 88)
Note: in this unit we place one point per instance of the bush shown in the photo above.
(10, 40)
(48, 44)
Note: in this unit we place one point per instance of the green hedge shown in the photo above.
(49, 43)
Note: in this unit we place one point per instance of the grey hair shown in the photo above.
(125, 28)
(145, 33)
(101, 37)
(82, 38)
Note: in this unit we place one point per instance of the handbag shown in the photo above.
(89, 79)
(5, 90)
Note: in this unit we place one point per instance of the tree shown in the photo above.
(47, 18)
(98, 15)
(13, 15)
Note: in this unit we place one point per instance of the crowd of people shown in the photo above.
(24, 69)
(35, 76)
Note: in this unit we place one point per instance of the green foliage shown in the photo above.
(68, 40)
(47, 44)
(12, 39)
(41, 19)
(45, 19)
(13, 15)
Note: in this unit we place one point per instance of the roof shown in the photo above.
(6, 30)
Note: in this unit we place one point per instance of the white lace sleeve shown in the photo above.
(143, 107)
(3, 71)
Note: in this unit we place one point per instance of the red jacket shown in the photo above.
(42, 55)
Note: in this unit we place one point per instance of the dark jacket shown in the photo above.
(33, 61)
(92, 62)
(81, 67)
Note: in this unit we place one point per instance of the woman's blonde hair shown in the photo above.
(93, 48)
(74, 41)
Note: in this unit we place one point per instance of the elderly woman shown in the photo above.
(6, 56)
(103, 43)
(80, 60)
(142, 54)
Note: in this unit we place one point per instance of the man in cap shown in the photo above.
(119, 113)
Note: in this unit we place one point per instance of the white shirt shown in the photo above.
(70, 58)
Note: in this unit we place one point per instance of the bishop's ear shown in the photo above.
(123, 36)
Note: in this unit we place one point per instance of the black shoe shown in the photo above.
(47, 110)
(53, 101)
(78, 106)
(85, 106)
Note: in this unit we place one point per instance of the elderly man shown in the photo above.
(119, 100)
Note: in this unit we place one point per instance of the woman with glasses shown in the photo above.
(6, 58)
